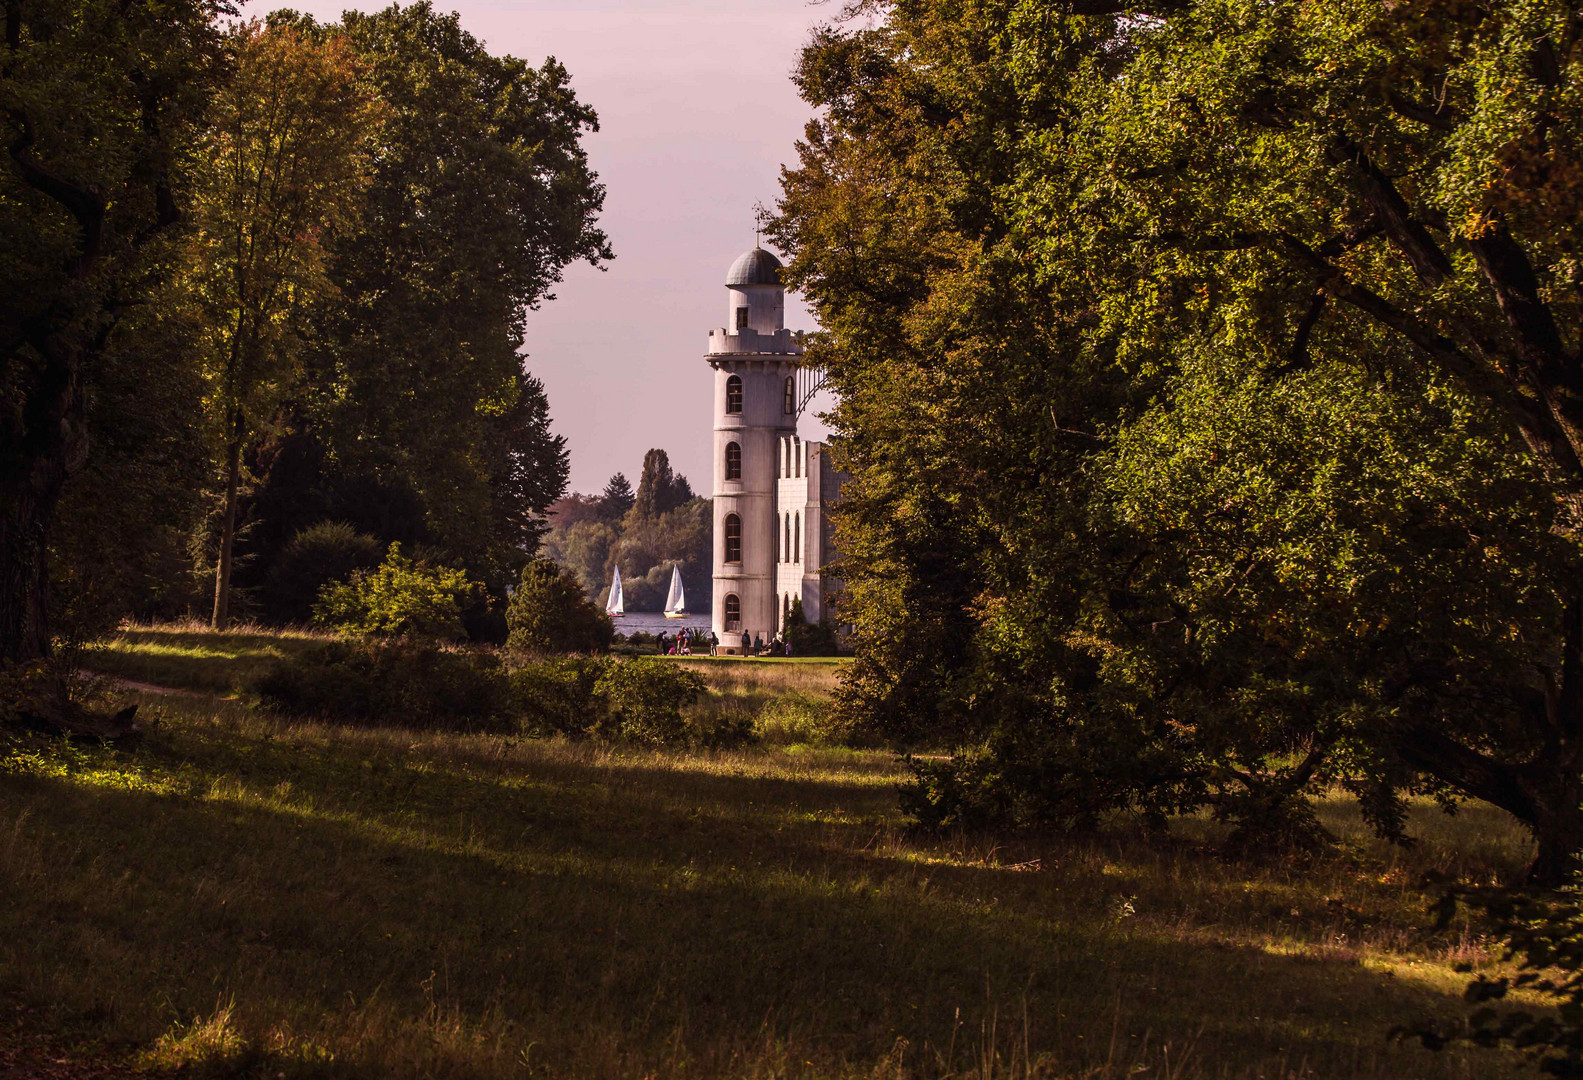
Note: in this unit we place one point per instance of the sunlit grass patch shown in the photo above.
(189, 655)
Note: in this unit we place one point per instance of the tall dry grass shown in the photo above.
(243, 896)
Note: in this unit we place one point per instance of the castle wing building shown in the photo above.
(772, 490)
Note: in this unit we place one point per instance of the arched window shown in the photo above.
(733, 612)
(733, 538)
(789, 405)
(733, 461)
(785, 610)
(785, 538)
(797, 539)
(734, 394)
(796, 456)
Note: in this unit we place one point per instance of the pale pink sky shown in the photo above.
(696, 113)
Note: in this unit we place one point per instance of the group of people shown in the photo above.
(755, 646)
(687, 640)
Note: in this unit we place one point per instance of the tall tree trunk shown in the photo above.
(1559, 833)
(222, 573)
(36, 457)
(1558, 795)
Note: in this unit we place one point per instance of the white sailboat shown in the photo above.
(676, 601)
(616, 605)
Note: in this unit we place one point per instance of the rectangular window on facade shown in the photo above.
(742, 318)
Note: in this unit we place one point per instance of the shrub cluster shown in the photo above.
(421, 685)
(320, 555)
(401, 682)
(639, 701)
(810, 639)
(400, 597)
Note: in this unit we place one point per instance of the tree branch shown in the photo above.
(84, 205)
(1408, 235)
(1426, 748)
(1442, 117)
(1297, 355)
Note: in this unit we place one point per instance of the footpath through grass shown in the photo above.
(250, 897)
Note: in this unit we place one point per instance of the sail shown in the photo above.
(616, 605)
(676, 601)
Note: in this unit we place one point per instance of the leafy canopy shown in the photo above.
(1209, 373)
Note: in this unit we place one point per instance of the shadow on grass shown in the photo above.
(368, 909)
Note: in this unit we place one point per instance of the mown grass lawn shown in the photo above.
(253, 897)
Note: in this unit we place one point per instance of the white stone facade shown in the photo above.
(771, 489)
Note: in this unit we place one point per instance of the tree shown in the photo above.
(1209, 374)
(479, 198)
(584, 549)
(285, 160)
(101, 102)
(550, 613)
(617, 498)
(659, 490)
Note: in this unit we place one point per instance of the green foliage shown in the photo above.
(398, 597)
(282, 168)
(479, 198)
(331, 551)
(644, 700)
(556, 696)
(1543, 935)
(1205, 380)
(649, 546)
(119, 538)
(631, 701)
(659, 489)
(809, 639)
(403, 682)
(617, 498)
(550, 613)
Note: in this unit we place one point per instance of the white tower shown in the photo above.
(755, 363)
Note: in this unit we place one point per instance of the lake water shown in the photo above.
(652, 622)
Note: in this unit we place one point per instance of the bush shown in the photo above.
(809, 639)
(645, 698)
(600, 697)
(402, 682)
(797, 718)
(556, 697)
(549, 613)
(331, 551)
(400, 597)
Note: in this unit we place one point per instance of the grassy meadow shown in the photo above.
(245, 896)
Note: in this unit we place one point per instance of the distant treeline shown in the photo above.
(663, 525)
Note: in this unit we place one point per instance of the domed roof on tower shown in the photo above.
(755, 267)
